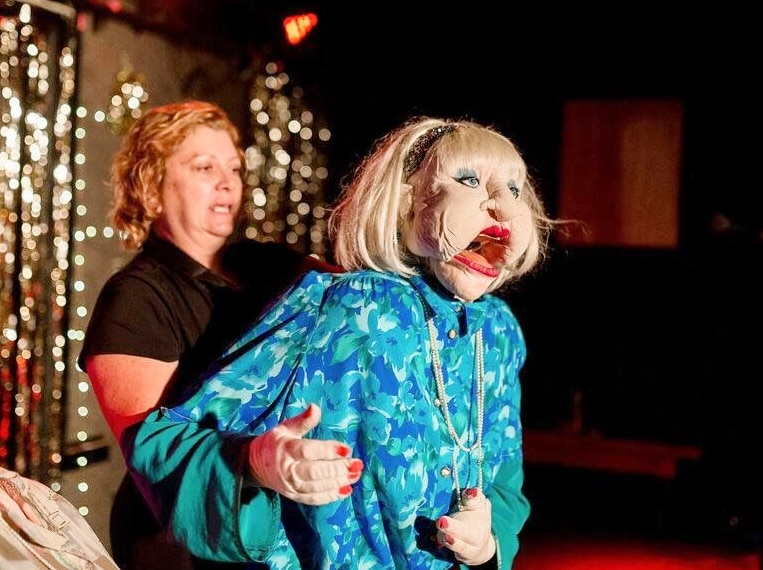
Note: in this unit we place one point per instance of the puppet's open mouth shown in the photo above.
(483, 242)
(492, 244)
(487, 253)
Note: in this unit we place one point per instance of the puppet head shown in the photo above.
(452, 198)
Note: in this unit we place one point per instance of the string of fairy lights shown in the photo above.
(37, 83)
(287, 168)
(45, 228)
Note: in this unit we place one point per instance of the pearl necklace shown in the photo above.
(443, 402)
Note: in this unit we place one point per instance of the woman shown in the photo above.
(189, 289)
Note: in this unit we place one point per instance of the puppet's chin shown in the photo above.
(463, 277)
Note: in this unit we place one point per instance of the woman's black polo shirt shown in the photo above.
(165, 305)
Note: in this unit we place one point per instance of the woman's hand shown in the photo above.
(309, 471)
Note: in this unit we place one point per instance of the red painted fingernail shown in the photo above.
(442, 523)
(342, 450)
(308, 412)
(356, 467)
(449, 539)
(346, 490)
(471, 493)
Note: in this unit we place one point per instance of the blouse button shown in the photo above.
(452, 333)
(445, 472)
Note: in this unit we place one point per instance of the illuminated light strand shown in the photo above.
(128, 99)
(36, 87)
(287, 166)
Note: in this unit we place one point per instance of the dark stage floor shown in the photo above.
(571, 551)
(589, 520)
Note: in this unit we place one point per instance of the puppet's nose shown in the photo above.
(499, 204)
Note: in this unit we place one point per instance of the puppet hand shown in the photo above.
(309, 471)
(467, 533)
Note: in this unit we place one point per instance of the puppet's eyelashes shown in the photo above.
(474, 245)
(514, 189)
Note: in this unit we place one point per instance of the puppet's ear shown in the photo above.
(406, 199)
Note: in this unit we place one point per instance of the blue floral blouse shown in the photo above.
(357, 345)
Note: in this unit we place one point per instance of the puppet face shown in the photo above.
(468, 222)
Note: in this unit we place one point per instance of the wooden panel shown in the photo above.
(621, 173)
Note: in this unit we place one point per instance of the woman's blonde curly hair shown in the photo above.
(138, 168)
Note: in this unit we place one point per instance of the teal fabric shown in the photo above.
(510, 511)
(191, 475)
(357, 345)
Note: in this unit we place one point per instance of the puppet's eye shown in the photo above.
(514, 189)
(470, 181)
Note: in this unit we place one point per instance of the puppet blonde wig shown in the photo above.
(138, 169)
(367, 223)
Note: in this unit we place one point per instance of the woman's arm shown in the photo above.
(128, 387)
(193, 476)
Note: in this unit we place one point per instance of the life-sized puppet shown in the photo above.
(409, 358)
